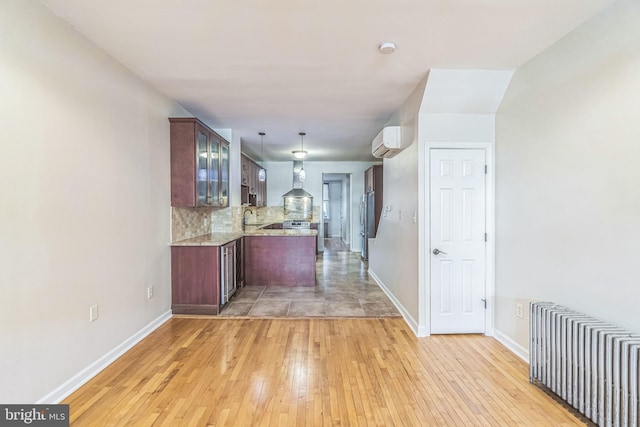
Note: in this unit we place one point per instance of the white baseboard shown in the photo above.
(419, 331)
(515, 348)
(75, 382)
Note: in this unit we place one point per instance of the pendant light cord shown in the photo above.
(302, 175)
(262, 134)
(262, 173)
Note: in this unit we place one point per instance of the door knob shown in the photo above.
(438, 251)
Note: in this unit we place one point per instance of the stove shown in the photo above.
(296, 224)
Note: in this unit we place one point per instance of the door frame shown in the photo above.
(340, 183)
(425, 303)
(347, 203)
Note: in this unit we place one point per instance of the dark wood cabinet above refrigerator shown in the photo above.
(373, 184)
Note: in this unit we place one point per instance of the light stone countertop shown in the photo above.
(219, 239)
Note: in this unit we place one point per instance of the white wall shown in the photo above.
(394, 253)
(439, 129)
(84, 184)
(568, 145)
(280, 180)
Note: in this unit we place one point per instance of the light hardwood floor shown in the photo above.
(313, 372)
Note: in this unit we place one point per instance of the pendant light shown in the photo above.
(300, 154)
(262, 174)
(301, 174)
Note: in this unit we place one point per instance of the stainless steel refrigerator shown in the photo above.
(366, 222)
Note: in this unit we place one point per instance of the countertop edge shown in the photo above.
(221, 239)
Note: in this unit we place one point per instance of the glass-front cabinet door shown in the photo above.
(214, 171)
(224, 174)
(199, 165)
(202, 174)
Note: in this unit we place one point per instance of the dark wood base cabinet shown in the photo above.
(280, 260)
(195, 279)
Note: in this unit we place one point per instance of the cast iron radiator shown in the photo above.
(591, 364)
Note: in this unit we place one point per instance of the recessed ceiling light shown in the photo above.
(387, 48)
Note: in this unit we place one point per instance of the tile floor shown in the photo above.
(343, 289)
(335, 244)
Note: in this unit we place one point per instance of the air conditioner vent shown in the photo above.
(388, 143)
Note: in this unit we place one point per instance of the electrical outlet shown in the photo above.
(415, 217)
(93, 313)
(519, 310)
(150, 292)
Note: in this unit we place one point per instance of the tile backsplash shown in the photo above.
(226, 220)
(268, 214)
(191, 222)
(263, 215)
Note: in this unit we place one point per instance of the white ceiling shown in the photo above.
(286, 66)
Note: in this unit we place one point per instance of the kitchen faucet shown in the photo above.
(244, 217)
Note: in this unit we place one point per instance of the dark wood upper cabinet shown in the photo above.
(244, 171)
(261, 197)
(373, 183)
(368, 180)
(373, 179)
(199, 165)
(254, 191)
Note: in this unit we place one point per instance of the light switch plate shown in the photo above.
(93, 313)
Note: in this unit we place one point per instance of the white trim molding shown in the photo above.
(82, 377)
(411, 322)
(511, 345)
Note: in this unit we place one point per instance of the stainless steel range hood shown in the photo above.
(297, 192)
(298, 204)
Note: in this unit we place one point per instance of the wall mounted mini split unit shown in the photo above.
(388, 143)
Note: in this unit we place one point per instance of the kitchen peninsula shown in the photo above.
(263, 256)
(280, 257)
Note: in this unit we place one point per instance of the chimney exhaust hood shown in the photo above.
(298, 204)
(297, 190)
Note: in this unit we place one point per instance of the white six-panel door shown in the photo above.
(458, 247)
